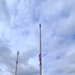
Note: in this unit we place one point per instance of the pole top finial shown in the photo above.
(39, 25)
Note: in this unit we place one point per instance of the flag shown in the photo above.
(40, 57)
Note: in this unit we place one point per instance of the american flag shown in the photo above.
(40, 57)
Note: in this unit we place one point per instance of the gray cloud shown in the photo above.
(57, 18)
(6, 57)
(8, 60)
(28, 70)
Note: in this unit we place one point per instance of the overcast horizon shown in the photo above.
(19, 30)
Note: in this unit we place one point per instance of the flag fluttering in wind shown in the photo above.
(40, 57)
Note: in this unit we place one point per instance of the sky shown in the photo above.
(19, 30)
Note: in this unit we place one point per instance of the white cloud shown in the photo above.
(57, 18)
(4, 12)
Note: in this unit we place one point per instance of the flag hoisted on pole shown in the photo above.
(16, 63)
(40, 55)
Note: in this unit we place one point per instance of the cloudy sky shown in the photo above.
(19, 30)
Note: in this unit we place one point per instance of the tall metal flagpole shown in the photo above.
(16, 63)
(40, 55)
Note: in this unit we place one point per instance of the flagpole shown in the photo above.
(40, 56)
(16, 63)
